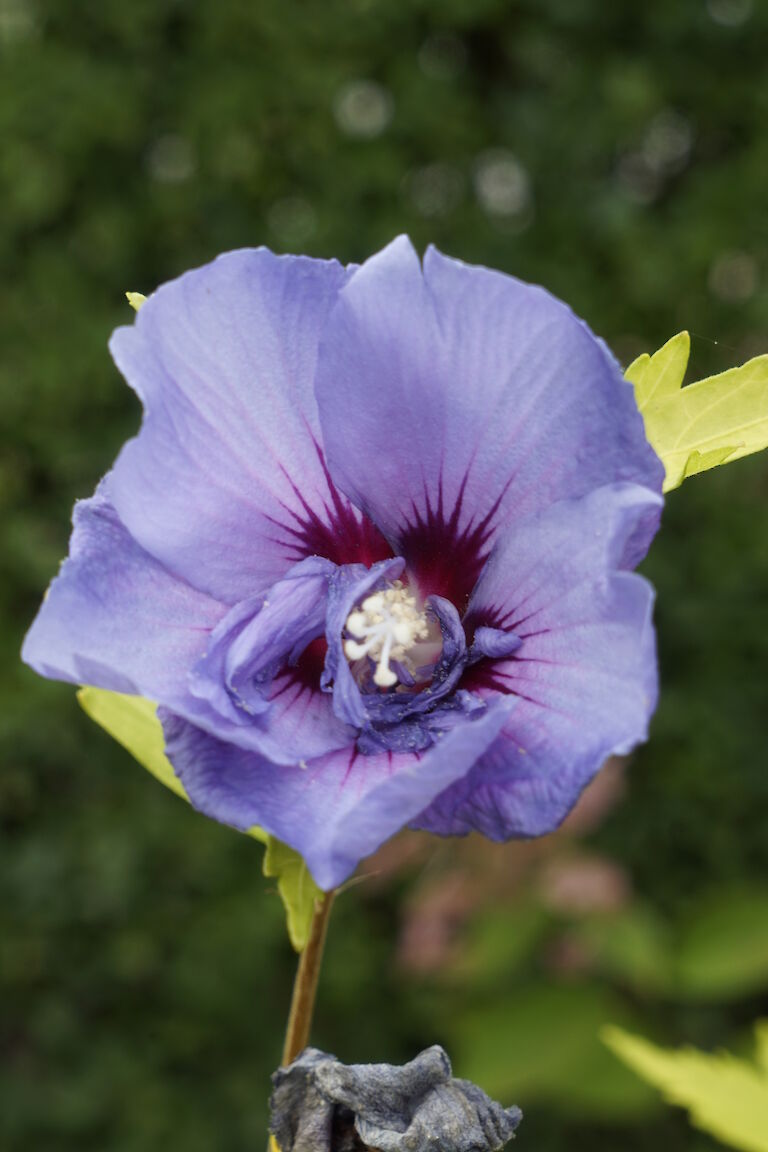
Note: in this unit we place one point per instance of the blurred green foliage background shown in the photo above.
(617, 154)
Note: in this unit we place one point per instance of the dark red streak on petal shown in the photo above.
(340, 533)
(485, 675)
(353, 755)
(444, 558)
(309, 667)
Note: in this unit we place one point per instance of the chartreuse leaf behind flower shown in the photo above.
(297, 889)
(133, 722)
(660, 375)
(371, 551)
(711, 422)
(725, 1096)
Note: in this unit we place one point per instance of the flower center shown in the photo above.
(385, 628)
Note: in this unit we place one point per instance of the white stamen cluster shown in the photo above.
(385, 626)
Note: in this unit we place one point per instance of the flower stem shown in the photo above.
(305, 985)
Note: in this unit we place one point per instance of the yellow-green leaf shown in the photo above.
(297, 889)
(133, 722)
(715, 420)
(702, 461)
(722, 417)
(135, 299)
(661, 374)
(725, 1096)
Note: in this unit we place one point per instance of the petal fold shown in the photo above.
(115, 618)
(260, 636)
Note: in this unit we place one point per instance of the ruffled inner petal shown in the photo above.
(348, 587)
(493, 643)
(261, 671)
(415, 717)
(260, 636)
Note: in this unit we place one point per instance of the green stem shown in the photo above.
(305, 985)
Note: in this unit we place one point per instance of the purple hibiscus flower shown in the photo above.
(370, 550)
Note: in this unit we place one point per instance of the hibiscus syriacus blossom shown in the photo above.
(370, 551)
